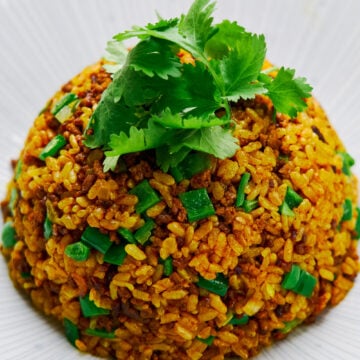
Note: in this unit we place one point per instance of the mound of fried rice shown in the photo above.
(154, 316)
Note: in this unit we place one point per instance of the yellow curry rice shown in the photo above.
(152, 315)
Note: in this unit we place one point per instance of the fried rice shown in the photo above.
(151, 313)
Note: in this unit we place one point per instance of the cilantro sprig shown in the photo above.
(157, 102)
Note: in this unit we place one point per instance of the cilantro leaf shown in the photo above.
(154, 56)
(288, 93)
(196, 25)
(115, 52)
(108, 117)
(241, 67)
(165, 160)
(213, 140)
(228, 33)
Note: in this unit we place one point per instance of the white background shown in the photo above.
(44, 43)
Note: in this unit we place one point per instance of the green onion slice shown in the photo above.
(147, 196)
(115, 255)
(347, 162)
(71, 331)
(240, 197)
(243, 320)
(357, 224)
(292, 278)
(290, 325)
(143, 234)
(18, 169)
(218, 286)
(47, 228)
(168, 266)
(89, 309)
(127, 235)
(12, 200)
(53, 147)
(250, 205)
(292, 198)
(8, 235)
(100, 333)
(65, 107)
(284, 209)
(94, 238)
(208, 341)
(197, 204)
(77, 251)
(347, 210)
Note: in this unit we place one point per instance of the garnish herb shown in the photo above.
(100, 333)
(89, 309)
(8, 235)
(290, 325)
(147, 196)
(168, 266)
(53, 147)
(347, 161)
(127, 235)
(115, 255)
(250, 205)
(71, 331)
(157, 102)
(18, 169)
(12, 200)
(218, 286)
(299, 281)
(357, 224)
(77, 251)
(94, 238)
(197, 204)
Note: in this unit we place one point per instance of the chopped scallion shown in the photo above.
(347, 210)
(18, 169)
(89, 309)
(347, 162)
(12, 200)
(47, 228)
(208, 341)
(8, 235)
(94, 238)
(25, 275)
(284, 209)
(193, 164)
(143, 234)
(168, 266)
(292, 198)
(65, 107)
(299, 281)
(53, 147)
(115, 255)
(250, 205)
(240, 197)
(243, 320)
(100, 333)
(147, 196)
(357, 224)
(290, 325)
(77, 251)
(218, 286)
(197, 204)
(71, 331)
(127, 235)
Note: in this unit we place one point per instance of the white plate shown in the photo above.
(44, 43)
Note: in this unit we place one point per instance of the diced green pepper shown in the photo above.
(89, 309)
(71, 331)
(8, 235)
(94, 238)
(240, 197)
(127, 235)
(53, 147)
(218, 286)
(147, 196)
(208, 341)
(47, 228)
(100, 333)
(115, 255)
(197, 204)
(143, 234)
(347, 210)
(77, 251)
